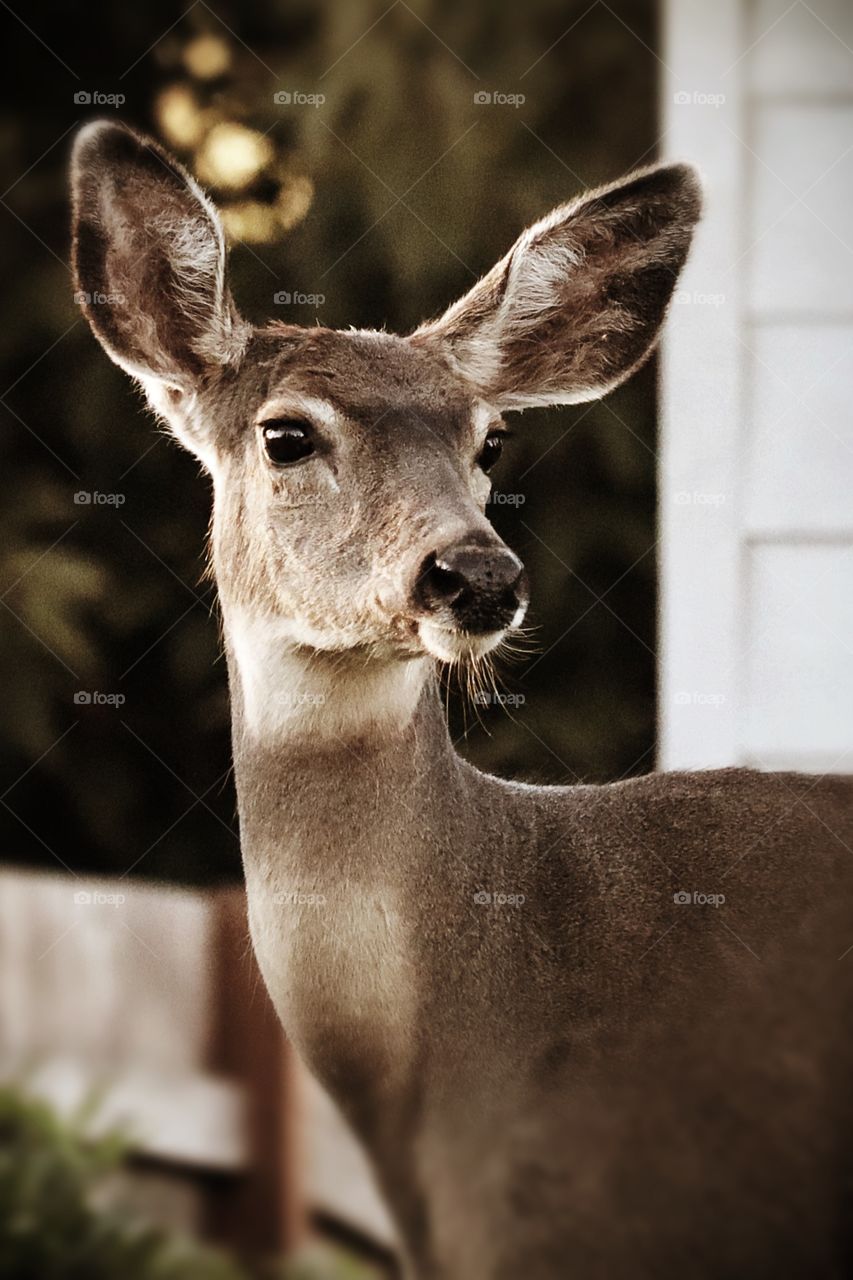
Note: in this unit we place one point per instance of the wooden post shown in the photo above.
(262, 1212)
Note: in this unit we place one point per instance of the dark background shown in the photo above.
(113, 599)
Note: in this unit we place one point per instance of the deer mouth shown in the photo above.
(450, 645)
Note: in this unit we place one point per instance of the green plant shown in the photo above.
(52, 1228)
(324, 1262)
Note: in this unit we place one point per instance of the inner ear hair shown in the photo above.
(149, 260)
(577, 303)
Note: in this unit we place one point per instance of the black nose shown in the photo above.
(479, 588)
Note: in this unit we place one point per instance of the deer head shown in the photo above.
(350, 469)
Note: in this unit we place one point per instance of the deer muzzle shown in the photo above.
(476, 588)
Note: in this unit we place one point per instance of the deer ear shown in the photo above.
(577, 303)
(149, 264)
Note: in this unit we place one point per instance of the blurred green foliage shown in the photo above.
(50, 1227)
(417, 190)
(56, 1223)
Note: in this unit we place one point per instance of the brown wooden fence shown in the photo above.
(149, 998)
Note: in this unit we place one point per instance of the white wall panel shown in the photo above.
(801, 235)
(756, 475)
(799, 655)
(799, 48)
(798, 461)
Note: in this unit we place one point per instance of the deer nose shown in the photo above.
(479, 587)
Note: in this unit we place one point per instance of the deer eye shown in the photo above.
(287, 440)
(493, 447)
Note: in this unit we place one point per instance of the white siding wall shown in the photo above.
(756, 483)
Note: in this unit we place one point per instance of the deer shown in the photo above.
(580, 1030)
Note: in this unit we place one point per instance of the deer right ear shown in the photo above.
(149, 265)
(577, 303)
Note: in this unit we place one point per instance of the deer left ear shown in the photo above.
(577, 303)
(149, 264)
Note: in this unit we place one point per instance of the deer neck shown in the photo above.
(349, 791)
(333, 747)
(339, 758)
(290, 698)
